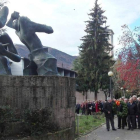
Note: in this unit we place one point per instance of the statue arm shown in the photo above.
(3, 16)
(4, 39)
(13, 56)
(24, 22)
(9, 54)
(12, 52)
(11, 46)
(42, 28)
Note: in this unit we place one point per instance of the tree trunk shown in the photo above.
(95, 96)
(83, 95)
(105, 95)
(86, 95)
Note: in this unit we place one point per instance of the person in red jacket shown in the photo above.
(97, 106)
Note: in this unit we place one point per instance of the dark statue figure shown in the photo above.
(7, 48)
(41, 62)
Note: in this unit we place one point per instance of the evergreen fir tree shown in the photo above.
(94, 51)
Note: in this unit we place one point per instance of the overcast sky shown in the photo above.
(67, 19)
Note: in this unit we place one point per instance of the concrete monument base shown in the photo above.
(37, 92)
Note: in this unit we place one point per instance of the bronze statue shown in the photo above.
(41, 62)
(7, 48)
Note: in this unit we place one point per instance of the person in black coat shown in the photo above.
(93, 107)
(109, 114)
(83, 107)
(89, 108)
(101, 106)
(132, 110)
(138, 112)
(136, 102)
(77, 108)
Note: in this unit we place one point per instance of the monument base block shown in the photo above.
(38, 92)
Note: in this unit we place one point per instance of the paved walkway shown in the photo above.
(102, 134)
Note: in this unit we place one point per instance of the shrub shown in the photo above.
(36, 122)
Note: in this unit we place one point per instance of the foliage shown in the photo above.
(33, 122)
(117, 92)
(6, 116)
(124, 111)
(38, 121)
(94, 61)
(82, 83)
(114, 107)
(127, 68)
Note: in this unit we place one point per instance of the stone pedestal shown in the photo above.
(36, 92)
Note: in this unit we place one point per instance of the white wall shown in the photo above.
(90, 96)
(17, 67)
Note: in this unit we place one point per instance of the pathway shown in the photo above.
(102, 134)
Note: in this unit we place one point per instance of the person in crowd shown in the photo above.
(119, 110)
(138, 112)
(136, 102)
(135, 99)
(132, 108)
(83, 107)
(93, 107)
(122, 98)
(86, 103)
(113, 102)
(109, 114)
(101, 106)
(89, 108)
(125, 117)
(97, 106)
(122, 112)
(103, 102)
(126, 100)
(77, 108)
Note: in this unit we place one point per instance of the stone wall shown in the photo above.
(36, 92)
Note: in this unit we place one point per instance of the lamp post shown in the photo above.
(127, 90)
(123, 91)
(110, 74)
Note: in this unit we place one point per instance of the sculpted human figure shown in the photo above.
(7, 48)
(41, 62)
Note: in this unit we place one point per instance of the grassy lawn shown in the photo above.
(89, 122)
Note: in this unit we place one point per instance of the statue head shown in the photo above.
(15, 17)
(15, 25)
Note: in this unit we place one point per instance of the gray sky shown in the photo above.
(67, 19)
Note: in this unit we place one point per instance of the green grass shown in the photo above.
(89, 122)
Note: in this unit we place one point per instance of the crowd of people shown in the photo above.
(89, 107)
(127, 111)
